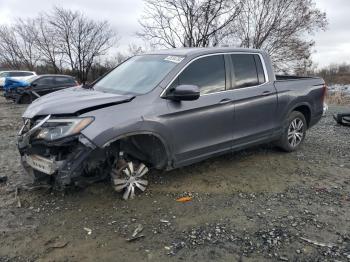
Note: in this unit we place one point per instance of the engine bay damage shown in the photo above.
(76, 161)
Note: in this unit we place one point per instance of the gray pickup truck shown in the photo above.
(165, 110)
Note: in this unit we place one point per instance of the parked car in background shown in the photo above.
(18, 75)
(165, 110)
(38, 86)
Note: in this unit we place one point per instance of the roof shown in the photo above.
(189, 51)
(55, 75)
(5, 71)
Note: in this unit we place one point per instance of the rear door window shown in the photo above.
(45, 82)
(245, 70)
(208, 73)
(64, 81)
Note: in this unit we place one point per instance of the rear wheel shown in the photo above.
(25, 99)
(294, 132)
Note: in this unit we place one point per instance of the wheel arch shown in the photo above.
(305, 109)
(150, 142)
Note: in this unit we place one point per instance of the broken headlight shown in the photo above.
(58, 128)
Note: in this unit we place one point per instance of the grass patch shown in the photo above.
(338, 98)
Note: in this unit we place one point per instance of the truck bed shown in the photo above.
(291, 77)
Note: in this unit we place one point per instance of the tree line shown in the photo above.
(66, 41)
(59, 41)
(335, 74)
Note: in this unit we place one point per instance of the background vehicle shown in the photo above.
(18, 75)
(165, 110)
(39, 86)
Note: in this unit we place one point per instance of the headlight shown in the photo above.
(58, 128)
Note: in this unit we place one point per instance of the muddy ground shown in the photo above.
(255, 205)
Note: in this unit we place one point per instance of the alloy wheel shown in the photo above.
(128, 178)
(295, 132)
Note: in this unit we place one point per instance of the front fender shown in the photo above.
(102, 137)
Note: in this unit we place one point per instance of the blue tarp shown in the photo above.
(11, 83)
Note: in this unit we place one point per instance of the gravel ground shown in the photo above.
(255, 205)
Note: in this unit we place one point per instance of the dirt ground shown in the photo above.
(255, 205)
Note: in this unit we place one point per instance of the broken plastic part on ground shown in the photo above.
(342, 119)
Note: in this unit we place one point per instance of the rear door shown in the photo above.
(255, 100)
(202, 127)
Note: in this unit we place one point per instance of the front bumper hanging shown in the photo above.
(61, 160)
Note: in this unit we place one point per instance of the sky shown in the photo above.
(332, 46)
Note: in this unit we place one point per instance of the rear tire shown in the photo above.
(294, 132)
(25, 99)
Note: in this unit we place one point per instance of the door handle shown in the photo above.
(266, 93)
(225, 101)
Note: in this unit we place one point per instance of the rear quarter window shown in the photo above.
(260, 69)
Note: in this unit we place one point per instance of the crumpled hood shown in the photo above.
(72, 101)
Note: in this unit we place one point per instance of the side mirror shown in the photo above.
(184, 93)
(34, 84)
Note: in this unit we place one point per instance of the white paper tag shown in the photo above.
(174, 59)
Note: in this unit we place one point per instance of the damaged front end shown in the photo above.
(54, 151)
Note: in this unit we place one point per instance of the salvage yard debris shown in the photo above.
(55, 243)
(88, 230)
(3, 179)
(136, 234)
(317, 243)
(19, 204)
(184, 199)
(342, 119)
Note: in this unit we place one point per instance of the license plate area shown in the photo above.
(41, 164)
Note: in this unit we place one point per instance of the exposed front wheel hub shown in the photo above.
(128, 177)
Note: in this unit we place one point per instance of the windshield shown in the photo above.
(138, 75)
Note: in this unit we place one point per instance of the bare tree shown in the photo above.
(61, 39)
(8, 48)
(280, 27)
(47, 42)
(80, 39)
(27, 51)
(335, 74)
(134, 49)
(17, 45)
(187, 23)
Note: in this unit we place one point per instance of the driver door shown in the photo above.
(202, 127)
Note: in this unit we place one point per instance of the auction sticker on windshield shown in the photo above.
(174, 59)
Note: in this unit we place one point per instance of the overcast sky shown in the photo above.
(332, 46)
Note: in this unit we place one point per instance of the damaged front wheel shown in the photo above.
(127, 176)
